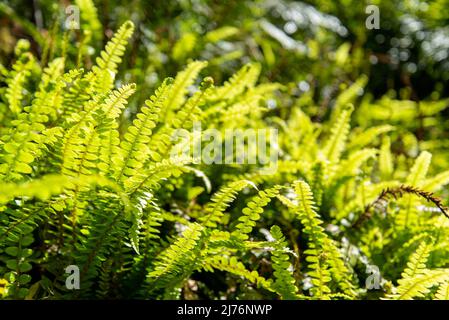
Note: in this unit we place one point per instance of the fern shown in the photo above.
(339, 134)
(416, 280)
(134, 146)
(220, 201)
(179, 260)
(233, 266)
(92, 174)
(109, 59)
(284, 283)
(253, 210)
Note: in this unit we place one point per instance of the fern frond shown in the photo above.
(348, 96)
(397, 192)
(419, 169)
(338, 135)
(417, 263)
(21, 71)
(244, 78)
(96, 123)
(107, 63)
(107, 128)
(415, 178)
(134, 147)
(437, 182)
(162, 142)
(253, 210)
(316, 256)
(235, 267)
(220, 201)
(443, 291)
(175, 263)
(416, 279)
(367, 137)
(182, 82)
(89, 19)
(284, 284)
(419, 286)
(356, 160)
(385, 159)
(151, 177)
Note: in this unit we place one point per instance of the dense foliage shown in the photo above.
(355, 208)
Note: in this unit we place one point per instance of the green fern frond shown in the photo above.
(134, 147)
(242, 79)
(175, 263)
(338, 135)
(417, 263)
(312, 227)
(419, 169)
(437, 182)
(253, 210)
(385, 159)
(107, 126)
(352, 164)
(182, 82)
(107, 63)
(163, 141)
(16, 79)
(284, 284)
(151, 176)
(235, 267)
(367, 137)
(89, 19)
(416, 279)
(220, 201)
(419, 286)
(443, 291)
(348, 96)
(415, 178)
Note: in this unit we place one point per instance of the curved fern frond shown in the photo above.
(107, 62)
(235, 267)
(182, 82)
(151, 177)
(416, 279)
(419, 286)
(253, 210)
(220, 201)
(176, 262)
(242, 79)
(348, 96)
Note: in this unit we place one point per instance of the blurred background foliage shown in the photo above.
(325, 44)
(316, 49)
